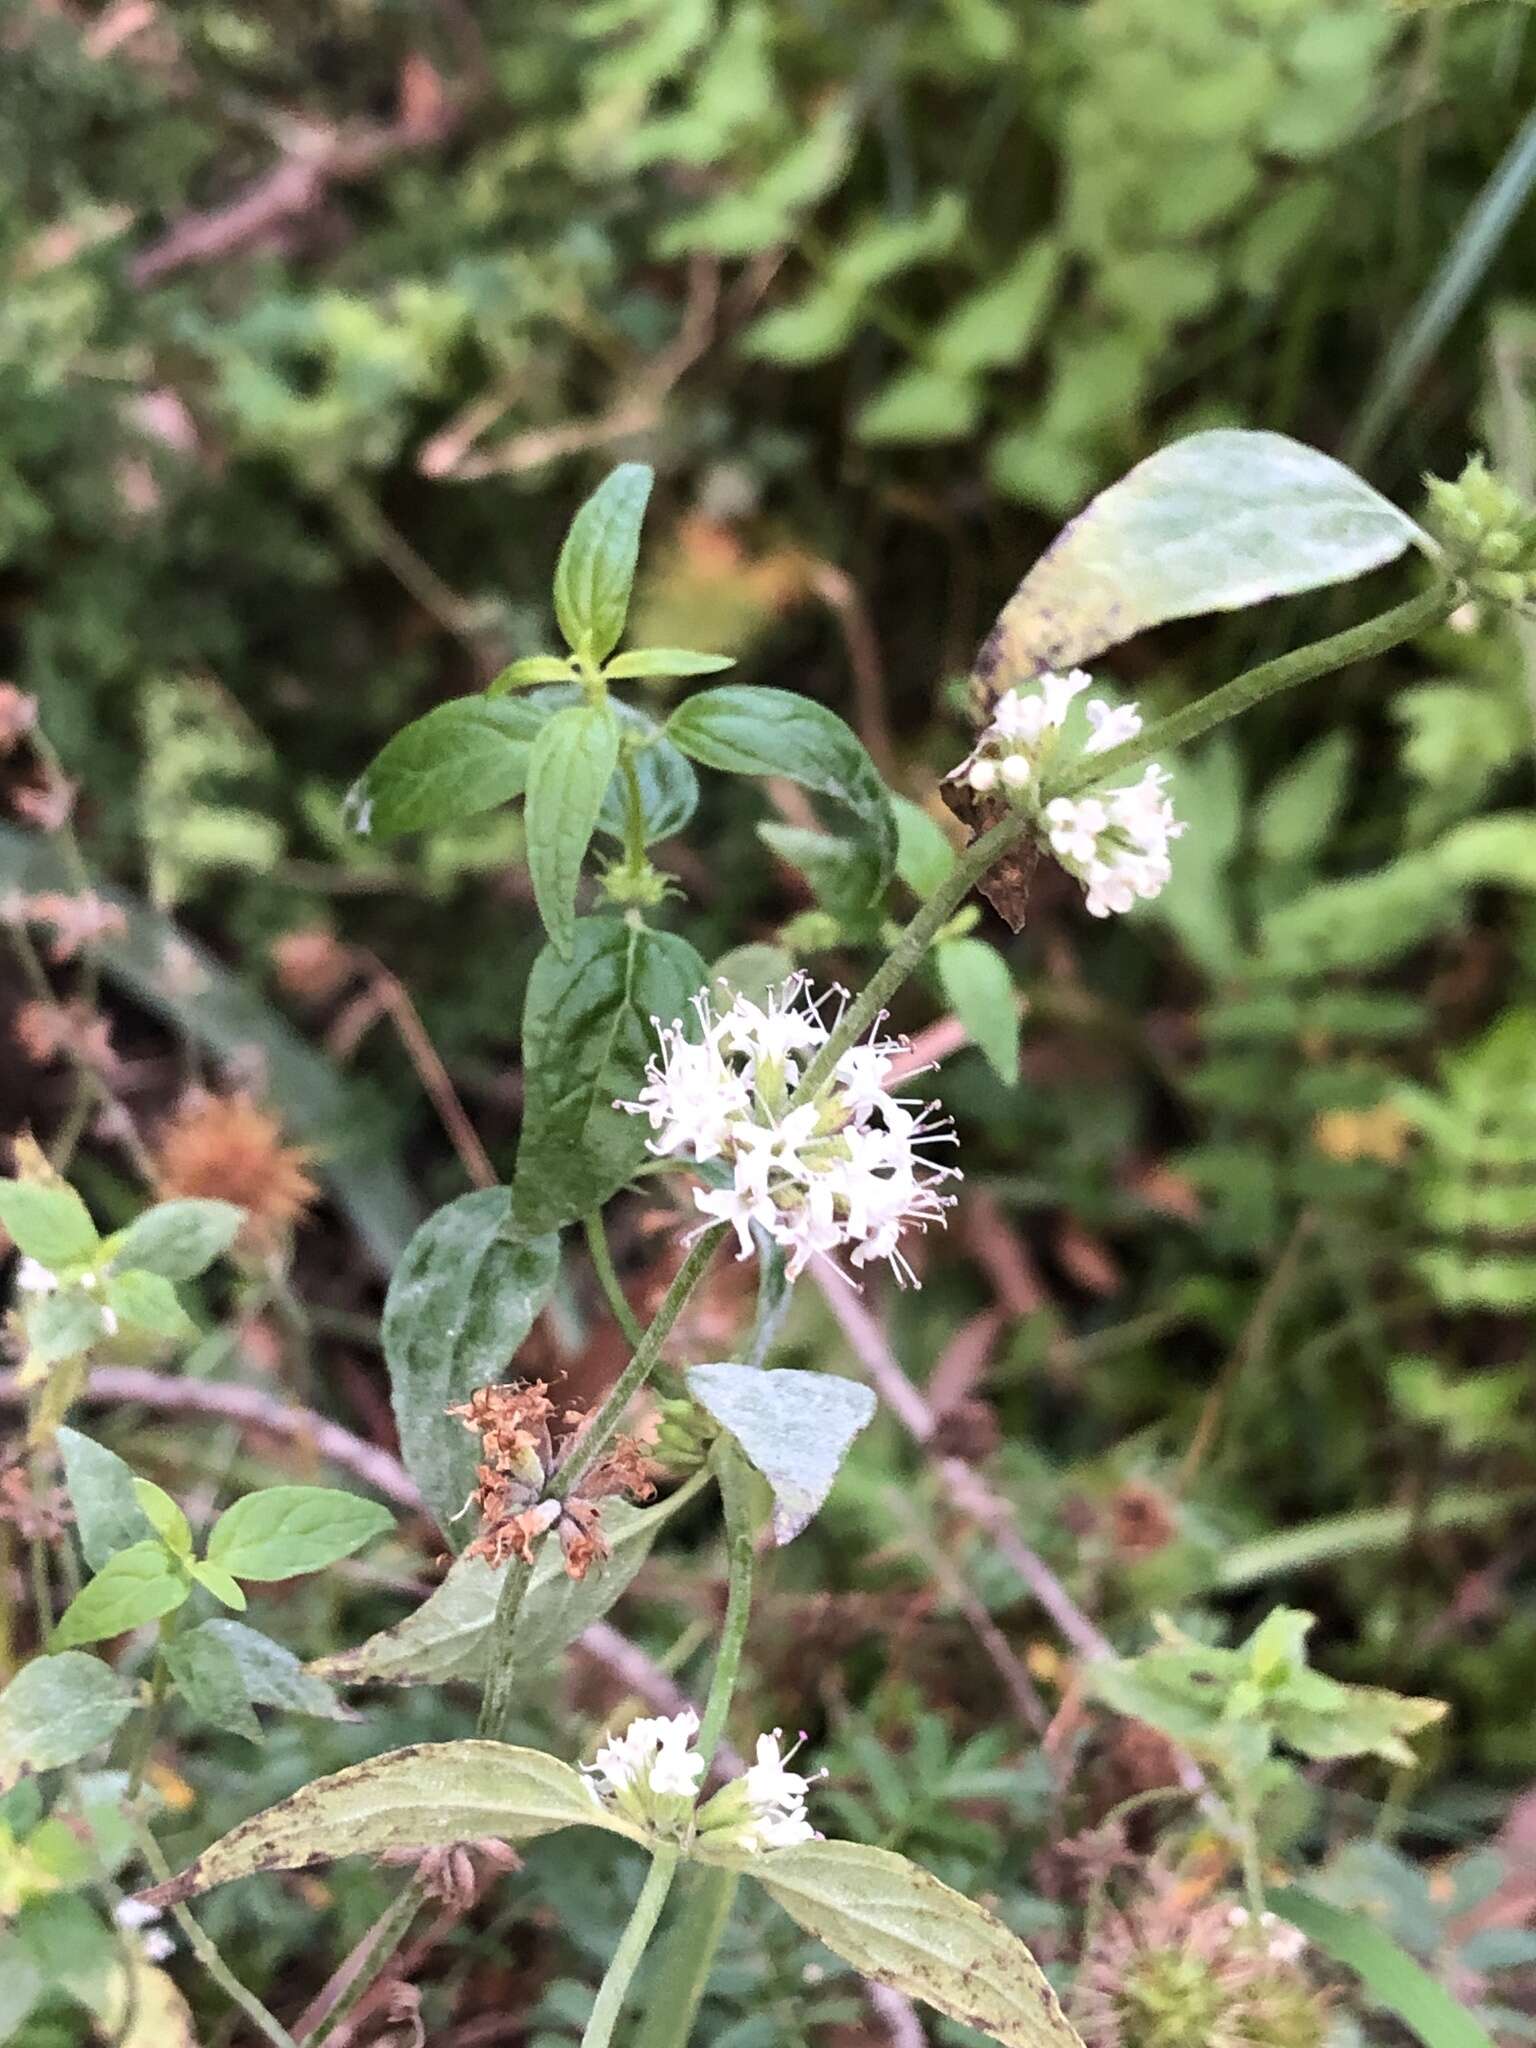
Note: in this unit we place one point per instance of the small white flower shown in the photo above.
(1058, 692)
(135, 1917)
(32, 1277)
(651, 1772)
(1016, 771)
(982, 776)
(843, 1171)
(764, 1808)
(1111, 727)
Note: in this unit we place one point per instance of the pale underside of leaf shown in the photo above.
(1211, 523)
(795, 1427)
(428, 1796)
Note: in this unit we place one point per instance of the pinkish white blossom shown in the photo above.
(844, 1171)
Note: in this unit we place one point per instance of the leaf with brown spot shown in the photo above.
(1210, 523)
(426, 1797)
(895, 1922)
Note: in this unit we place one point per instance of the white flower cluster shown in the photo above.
(844, 1169)
(1115, 841)
(651, 1774)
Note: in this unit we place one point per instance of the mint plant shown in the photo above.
(782, 1103)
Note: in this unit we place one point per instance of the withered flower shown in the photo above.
(520, 1455)
(229, 1148)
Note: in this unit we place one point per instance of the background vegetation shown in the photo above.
(317, 323)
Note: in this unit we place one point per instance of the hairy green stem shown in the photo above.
(692, 1940)
(632, 1946)
(915, 939)
(599, 1433)
(602, 1265)
(500, 1688)
(741, 1556)
(1303, 665)
(206, 1949)
(149, 1726)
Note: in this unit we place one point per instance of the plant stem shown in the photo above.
(608, 1279)
(385, 1938)
(149, 1727)
(910, 946)
(599, 1432)
(496, 1704)
(735, 1495)
(206, 1949)
(692, 1941)
(632, 1946)
(1319, 658)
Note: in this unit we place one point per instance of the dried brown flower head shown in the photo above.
(520, 1456)
(228, 1147)
(312, 964)
(1142, 1520)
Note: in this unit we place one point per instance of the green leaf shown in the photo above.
(837, 869)
(596, 569)
(219, 1584)
(107, 1514)
(918, 407)
(448, 1635)
(1497, 850)
(1392, 1979)
(135, 1585)
(63, 1325)
(924, 856)
(795, 1427)
(50, 1224)
(533, 668)
(463, 758)
(56, 1710)
(754, 970)
(979, 989)
(179, 1240)
(669, 789)
(149, 1302)
(1209, 524)
(284, 1531)
(569, 771)
(1300, 808)
(72, 1946)
(21, 1983)
(208, 1678)
(272, 1675)
(665, 661)
(996, 327)
(744, 730)
(462, 1300)
(587, 1034)
(425, 1797)
(895, 1922)
(164, 1517)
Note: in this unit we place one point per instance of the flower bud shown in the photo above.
(1488, 532)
